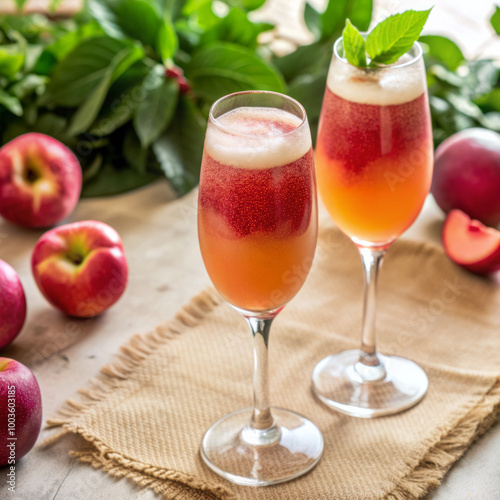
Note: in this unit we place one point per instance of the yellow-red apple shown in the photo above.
(467, 174)
(40, 180)
(12, 304)
(20, 411)
(80, 268)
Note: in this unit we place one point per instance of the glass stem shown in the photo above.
(262, 428)
(370, 367)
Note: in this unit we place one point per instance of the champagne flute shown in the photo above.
(374, 157)
(257, 219)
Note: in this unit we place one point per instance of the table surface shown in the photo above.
(165, 271)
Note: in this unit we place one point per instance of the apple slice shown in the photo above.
(470, 243)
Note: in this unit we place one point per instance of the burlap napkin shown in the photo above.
(146, 414)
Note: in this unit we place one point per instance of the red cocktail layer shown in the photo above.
(374, 165)
(258, 230)
(357, 134)
(276, 201)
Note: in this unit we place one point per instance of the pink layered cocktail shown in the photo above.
(256, 204)
(374, 150)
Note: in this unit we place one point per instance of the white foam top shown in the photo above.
(252, 138)
(382, 87)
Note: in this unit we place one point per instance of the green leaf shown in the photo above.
(155, 111)
(82, 70)
(495, 20)
(201, 15)
(481, 77)
(171, 8)
(89, 109)
(443, 50)
(10, 62)
(121, 101)
(31, 56)
(309, 91)
(354, 45)
(337, 11)
(134, 153)
(395, 36)
(114, 180)
(179, 150)
(252, 4)
(306, 59)
(444, 75)
(53, 125)
(312, 19)
(490, 101)
(20, 4)
(27, 85)
(54, 4)
(224, 68)
(137, 19)
(60, 48)
(235, 28)
(167, 42)
(13, 104)
(93, 168)
(491, 120)
(463, 105)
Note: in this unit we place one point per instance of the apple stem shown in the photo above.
(75, 258)
(30, 175)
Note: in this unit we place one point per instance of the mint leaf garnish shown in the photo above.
(354, 45)
(495, 20)
(395, 36)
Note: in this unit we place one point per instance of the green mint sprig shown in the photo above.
(387, 42)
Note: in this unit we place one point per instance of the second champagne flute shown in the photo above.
(374, 157)
(257, 224)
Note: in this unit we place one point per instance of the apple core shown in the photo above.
(31, 172)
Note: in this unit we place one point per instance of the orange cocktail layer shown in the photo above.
(256, 230)
(374, 165)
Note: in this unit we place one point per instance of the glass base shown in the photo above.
(338, 384)
(291, 449)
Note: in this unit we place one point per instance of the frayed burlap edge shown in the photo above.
(438, 460)
(170, 483)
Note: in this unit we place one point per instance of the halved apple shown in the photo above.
(470, 243)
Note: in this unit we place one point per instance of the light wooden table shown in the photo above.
(165, 271)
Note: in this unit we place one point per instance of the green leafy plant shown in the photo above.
(127, 84)
(462, 93)
(110, 83)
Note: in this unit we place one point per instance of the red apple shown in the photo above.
(12, 304)
(467, 174)
(40, 180)
(20, 411)
(471, 244)
(80, 268)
